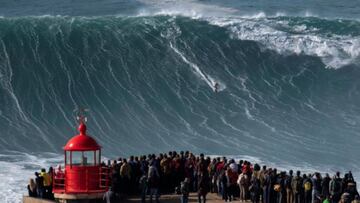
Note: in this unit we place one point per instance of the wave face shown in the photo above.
(288, 86)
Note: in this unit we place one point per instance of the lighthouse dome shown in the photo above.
(82, 142)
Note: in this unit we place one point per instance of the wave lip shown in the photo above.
(297, 35)
(304, 34)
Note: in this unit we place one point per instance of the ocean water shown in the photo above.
(288, 75)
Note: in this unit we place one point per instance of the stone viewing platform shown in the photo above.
(211, 198)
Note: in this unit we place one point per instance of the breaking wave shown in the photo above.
(289, 87)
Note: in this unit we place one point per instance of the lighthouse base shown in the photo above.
(79, 198)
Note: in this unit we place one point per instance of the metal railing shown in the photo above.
(58, 183)
(105, 177)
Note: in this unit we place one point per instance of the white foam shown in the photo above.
(188, 8)
(16, 170)
(335, 51)
(257, 15)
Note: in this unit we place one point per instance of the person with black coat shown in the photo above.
(255, 190)
(203, 187)
(39, 180)
(325, 185)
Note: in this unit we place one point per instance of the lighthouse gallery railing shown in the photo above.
(60, 182)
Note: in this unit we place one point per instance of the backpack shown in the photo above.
(307, 186)
(296, 184)
(243, 179)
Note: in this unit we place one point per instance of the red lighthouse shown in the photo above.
(84, 178)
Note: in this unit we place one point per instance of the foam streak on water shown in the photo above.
(207, 78)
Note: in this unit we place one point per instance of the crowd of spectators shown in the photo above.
(183, 173)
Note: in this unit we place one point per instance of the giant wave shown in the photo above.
(289, 85)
